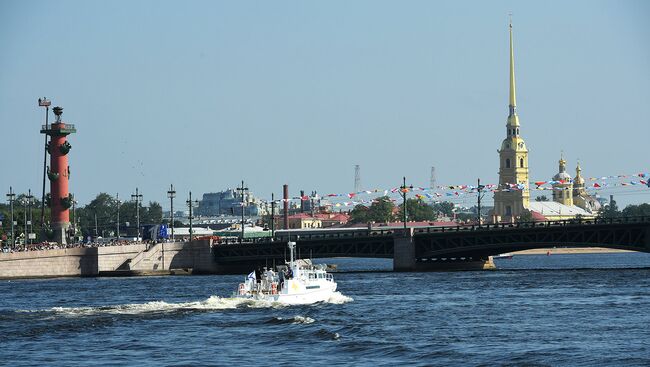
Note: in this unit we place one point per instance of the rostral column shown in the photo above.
(59, 174)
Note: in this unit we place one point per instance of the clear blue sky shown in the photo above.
(203, 94)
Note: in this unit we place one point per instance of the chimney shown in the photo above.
(285, 189)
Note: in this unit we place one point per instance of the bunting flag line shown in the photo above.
(457, 191)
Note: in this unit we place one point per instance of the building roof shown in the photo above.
(552, 209)
(185, 231)
(409, 224)
(302, 216)
(340, 217)
(537, 217)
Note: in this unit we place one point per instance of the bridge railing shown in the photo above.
(550, 223)
(356, 233)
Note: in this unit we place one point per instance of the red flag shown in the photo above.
(596, 184)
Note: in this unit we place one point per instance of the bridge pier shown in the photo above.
(404, 258)
(404, 251)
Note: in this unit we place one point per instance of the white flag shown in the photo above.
(251, 275)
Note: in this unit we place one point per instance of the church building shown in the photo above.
(512, 197)
(513, 194)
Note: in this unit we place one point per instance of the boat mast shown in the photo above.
(292, 248)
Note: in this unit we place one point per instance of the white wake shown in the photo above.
(213, 303)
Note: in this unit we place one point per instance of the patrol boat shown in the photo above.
(299, 282)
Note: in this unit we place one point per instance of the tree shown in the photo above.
(526, 216)
(609, 211)
(541, 198)
(153, 213)
(641, 210)
(446, 208)
(381, 210)
(19, 217)
(418, 210)
(100, 214)
(359, 214)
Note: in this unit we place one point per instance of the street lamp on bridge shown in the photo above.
(11, 197)
(117, 222)
(479, 190)
(191, 204)
(403, 190)
(29, 201)
(44, 102)
(242, 191)
(171, 194)
(137, 197)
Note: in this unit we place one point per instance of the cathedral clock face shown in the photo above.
(521, 145)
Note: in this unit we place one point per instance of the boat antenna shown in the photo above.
(292, 247)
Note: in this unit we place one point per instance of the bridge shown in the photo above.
(431, 248)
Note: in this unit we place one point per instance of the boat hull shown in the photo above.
(306, 297)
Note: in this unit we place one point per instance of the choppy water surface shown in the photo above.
(588, 310)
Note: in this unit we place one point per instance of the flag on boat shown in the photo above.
(251, 275)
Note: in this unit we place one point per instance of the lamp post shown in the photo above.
(30, 201)
(11, 196)
(24, 202)
(479, 189)
(191, 204)
(44, 102)
(242, 190)
(117, 222)
(137, 197)
(272, 216)
(74, 220)
(171, 194)
(403, 190)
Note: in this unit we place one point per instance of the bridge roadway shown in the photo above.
(431, 248)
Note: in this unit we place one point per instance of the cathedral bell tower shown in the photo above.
(563, 185)
(513, 194)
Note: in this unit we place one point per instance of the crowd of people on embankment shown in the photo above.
(55, 246)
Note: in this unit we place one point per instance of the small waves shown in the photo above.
(291, 320)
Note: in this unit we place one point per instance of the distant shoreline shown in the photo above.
(569, 250)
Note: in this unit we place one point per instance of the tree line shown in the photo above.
(97, 218)
(383, 210)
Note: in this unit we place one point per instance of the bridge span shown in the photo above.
(438, 248)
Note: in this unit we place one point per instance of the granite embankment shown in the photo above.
(569, 250)
(161, 258)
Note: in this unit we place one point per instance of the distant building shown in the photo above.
(304, 220)
(333, 219)
(229, 202)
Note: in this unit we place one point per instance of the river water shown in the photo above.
(588, 309)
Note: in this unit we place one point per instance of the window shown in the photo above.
(507, 162)
(521, 162)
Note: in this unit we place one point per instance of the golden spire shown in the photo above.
(513, 99)
(513, 119)
(578, 180)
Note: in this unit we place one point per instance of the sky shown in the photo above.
(205, 94)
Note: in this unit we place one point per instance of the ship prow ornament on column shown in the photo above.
(59, 174)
